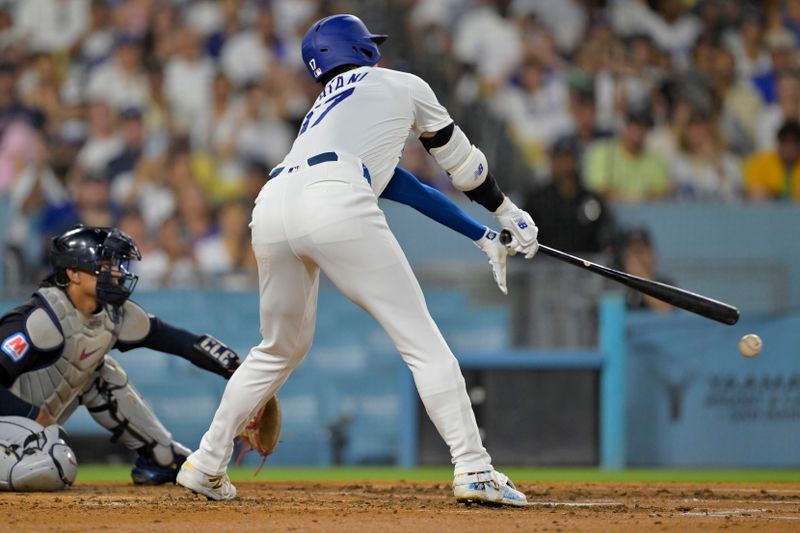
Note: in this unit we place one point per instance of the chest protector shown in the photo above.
(87, 340)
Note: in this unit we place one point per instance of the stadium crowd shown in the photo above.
(165, 116)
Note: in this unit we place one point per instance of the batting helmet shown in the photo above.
(339, 40)
(104, 252)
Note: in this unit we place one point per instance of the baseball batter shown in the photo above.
(54, 357)
(319, 211)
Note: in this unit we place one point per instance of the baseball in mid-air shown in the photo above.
(750, 345)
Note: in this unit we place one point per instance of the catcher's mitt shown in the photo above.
(262, 432)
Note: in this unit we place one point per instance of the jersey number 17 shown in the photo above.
(331, 103)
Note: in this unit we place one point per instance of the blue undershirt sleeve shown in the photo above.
(406, 189)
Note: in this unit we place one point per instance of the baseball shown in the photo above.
(750, 345)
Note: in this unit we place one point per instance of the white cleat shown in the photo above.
(489, 487)
(212, 487)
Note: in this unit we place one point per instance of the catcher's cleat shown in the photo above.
(212, 487)
(487, 488)
(147, 470)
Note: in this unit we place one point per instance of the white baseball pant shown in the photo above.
(326, 217)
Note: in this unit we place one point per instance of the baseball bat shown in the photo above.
(696, 303)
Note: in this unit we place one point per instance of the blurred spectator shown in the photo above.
(187, 80)
(671, 24)
(35, 189)
(536, 111)
(741, 104)
(89, 203)
(147, 190)
(569, 217)
(39, 87)
(583, 112)
(173, 263)
(250, 130)
(776, 174)
(792, 20)
(17, 134)
(703, 169)
(247, 55)
(103, 143)
(228, 26)
(121, 81)
(483, 37)
(194, 212)
(7, 36)
(97, 40)
(150, 268)
(783, 61)
(132, 133)
(227, 257)
(638, 257)
(207, 120)
(748, 47)
(623, 169)
(565, 19)
(159, 38)
(50, 25)
(786, 107)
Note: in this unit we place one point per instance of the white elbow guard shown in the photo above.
(465, 164)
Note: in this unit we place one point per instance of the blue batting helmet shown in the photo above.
(339, 40)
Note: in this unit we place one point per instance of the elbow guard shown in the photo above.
(465, 163)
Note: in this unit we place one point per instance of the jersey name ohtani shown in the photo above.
(323, 105)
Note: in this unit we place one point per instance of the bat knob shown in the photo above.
(505, 237)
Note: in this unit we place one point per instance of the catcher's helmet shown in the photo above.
(104, 252)
(339, 40)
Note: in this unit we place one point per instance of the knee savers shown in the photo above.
(465, 163)
(44, 462)
(117, 406)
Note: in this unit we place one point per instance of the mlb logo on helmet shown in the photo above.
(16, 346)
(479, 170)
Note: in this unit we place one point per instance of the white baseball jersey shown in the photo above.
(369, 112)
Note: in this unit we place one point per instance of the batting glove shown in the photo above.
(520, 224)
(497, 253)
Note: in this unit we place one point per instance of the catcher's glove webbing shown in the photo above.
(262, 432)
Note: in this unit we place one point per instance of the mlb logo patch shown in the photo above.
(294, 168)
(16, 346)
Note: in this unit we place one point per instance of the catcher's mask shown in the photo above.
(104, 252)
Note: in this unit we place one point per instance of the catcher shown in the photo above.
(54, 357)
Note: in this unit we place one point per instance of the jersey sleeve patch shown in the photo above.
(16, 346)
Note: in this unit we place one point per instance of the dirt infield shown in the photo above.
(407, 507)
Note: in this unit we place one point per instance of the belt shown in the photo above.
(324, 157)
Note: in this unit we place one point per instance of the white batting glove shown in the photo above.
(521, 226)
(497, 253)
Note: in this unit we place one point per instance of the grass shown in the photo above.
(95, 473)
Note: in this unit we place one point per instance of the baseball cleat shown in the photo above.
(212, 487)
(147, 471)
(489, 487)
